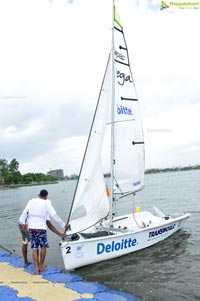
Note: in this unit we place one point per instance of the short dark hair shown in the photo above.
(43, 193)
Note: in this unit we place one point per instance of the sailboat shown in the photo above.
(96, 233)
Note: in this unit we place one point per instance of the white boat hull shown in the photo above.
(131, 233)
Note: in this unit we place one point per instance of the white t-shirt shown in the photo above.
(36, 212)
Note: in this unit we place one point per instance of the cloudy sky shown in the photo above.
(52, 59)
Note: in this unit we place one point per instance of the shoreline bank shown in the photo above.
(26, 185)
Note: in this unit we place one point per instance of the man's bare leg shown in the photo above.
(24, 253)
(42, 267)
(36, 262)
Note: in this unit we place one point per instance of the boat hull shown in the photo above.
(89, 251)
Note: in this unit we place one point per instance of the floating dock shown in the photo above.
(18, 283)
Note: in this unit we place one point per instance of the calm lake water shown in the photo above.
(169, 270)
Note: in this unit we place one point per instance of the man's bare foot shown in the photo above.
(43, 268)
(36, 272)
(27, 263)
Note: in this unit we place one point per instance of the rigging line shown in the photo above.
(129, 193)
(118, 121)
(123, 195)
(140, 226)
(118, 187)
(6, 249)
(70, 212)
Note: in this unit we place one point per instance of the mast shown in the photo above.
(112, 118)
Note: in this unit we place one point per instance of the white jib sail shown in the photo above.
(128, 133)
(91, 203)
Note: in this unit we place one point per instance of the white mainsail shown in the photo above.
(128, 134)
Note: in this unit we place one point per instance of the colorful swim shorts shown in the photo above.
(38, 238)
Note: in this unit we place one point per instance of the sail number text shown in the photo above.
(68, 250)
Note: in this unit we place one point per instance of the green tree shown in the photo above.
(14, 178)
(17, 177)
(13, 166)
(8, 179)
(27, 178)
(3, 169)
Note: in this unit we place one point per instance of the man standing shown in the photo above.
(34, 217)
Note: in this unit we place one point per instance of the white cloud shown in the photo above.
(171, 132)
(52, 62)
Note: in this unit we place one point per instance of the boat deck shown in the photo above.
(17, 283)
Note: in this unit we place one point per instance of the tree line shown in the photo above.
(10, 174)
(185, 168)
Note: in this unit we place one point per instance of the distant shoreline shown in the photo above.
(24, 185)
(163, 170)
(107, 175)
(172, 169)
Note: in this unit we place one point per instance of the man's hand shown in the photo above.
(63, 235)
(25, 227)
(68, 227)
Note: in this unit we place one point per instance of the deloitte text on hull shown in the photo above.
(115, 246)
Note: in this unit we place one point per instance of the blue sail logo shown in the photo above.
(123, 110)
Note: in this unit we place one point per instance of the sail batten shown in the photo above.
(122, 63)
(129, 99)
(116, 28)
(124, 48)
(140, 142)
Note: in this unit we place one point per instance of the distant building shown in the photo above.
(57, 173)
